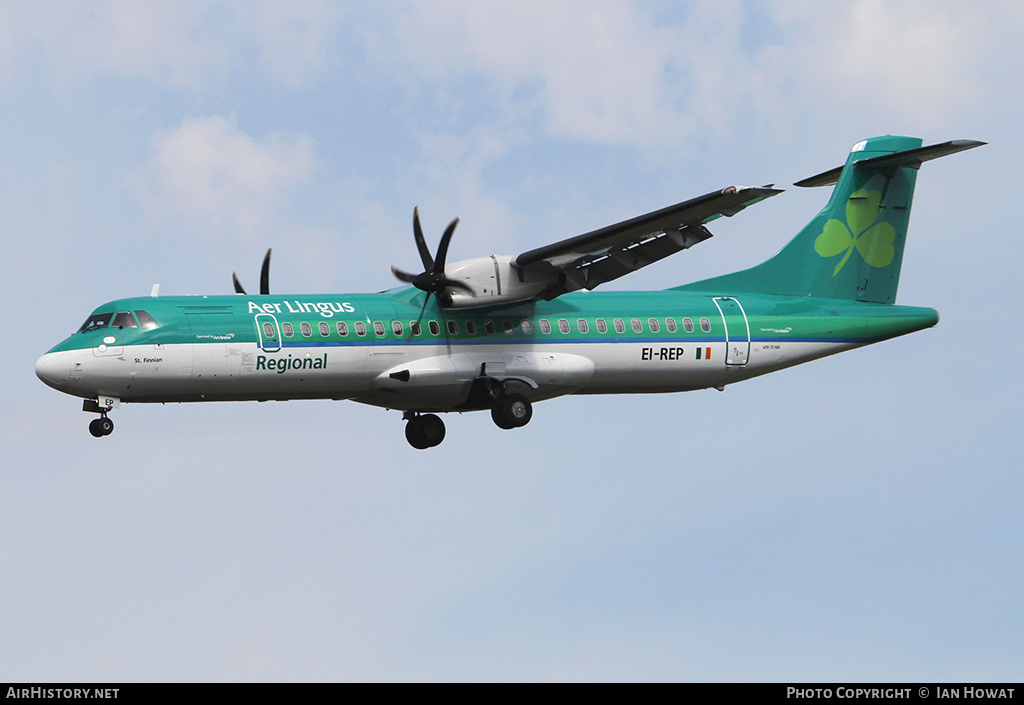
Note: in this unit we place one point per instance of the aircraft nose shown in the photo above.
(54, 369)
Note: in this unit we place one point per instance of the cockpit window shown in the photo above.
(145, 320)
(95, 321)
(124, 319)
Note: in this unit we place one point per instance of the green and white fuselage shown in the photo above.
(829, 290)
(350, 346)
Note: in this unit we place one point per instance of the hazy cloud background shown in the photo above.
(853, 519)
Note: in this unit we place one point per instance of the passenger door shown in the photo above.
(268, 333)
(737, 331)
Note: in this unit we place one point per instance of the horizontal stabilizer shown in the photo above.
(912, 158)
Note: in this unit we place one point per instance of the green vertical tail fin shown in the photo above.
(853, 248)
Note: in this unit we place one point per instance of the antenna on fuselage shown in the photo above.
(155, 291)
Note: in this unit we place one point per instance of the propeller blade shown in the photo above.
(265, 275)
(456, 284)
(442, 249)
(403, 276)
(421, 243)
(419, 319)
(238, 285)
(432, 279)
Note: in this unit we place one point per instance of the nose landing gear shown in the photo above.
(102, 426)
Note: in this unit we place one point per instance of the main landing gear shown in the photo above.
(102, 426)
(511, 411)
(427, 430)
(423, 430)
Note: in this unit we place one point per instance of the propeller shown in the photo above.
(432, 279)
(264, 278)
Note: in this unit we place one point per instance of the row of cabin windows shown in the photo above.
(359, 327)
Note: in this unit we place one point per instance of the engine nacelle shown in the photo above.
(494, 280)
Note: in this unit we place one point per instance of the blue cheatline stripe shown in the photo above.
(364, 342)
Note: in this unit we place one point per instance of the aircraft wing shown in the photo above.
(591, 259)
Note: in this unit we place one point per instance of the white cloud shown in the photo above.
(624, 73)
(181, 44)
(599, 67)
(913, 60)
(293, 38)
(209, 171)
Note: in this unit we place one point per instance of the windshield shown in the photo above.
(124, 319)
(145, 320)
(96, 320)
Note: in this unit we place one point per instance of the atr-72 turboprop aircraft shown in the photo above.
(503, 332)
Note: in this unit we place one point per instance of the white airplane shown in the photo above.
(501, 333)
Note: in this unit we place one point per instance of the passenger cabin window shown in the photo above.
(527, 328)
(100, 320)
(288, 330)
(124, 319)
(638, 327)
(378, 328)
(307, 330)
(489, 327)
(434, 327)
(453, 328)
(268, 330)
(602, 327)
(471, 327)
(582, 325)
(415, 328)
(670, 325)
(653, 324)
(396, 328)
(563, 325)
(688, 325)
(145, 320)
(545, 327)
(360, 328)
(325, 330)
(508, 326)
(705, 325)
(620, 327)
(342, 329)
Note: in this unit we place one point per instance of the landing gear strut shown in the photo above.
(423, 430)
(511, 411)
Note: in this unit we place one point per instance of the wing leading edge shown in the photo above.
(589, 260)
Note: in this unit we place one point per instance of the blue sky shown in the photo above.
(857, 518)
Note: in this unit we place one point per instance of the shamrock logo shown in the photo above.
(873, 240)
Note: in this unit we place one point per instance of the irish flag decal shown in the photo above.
(703, 353)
